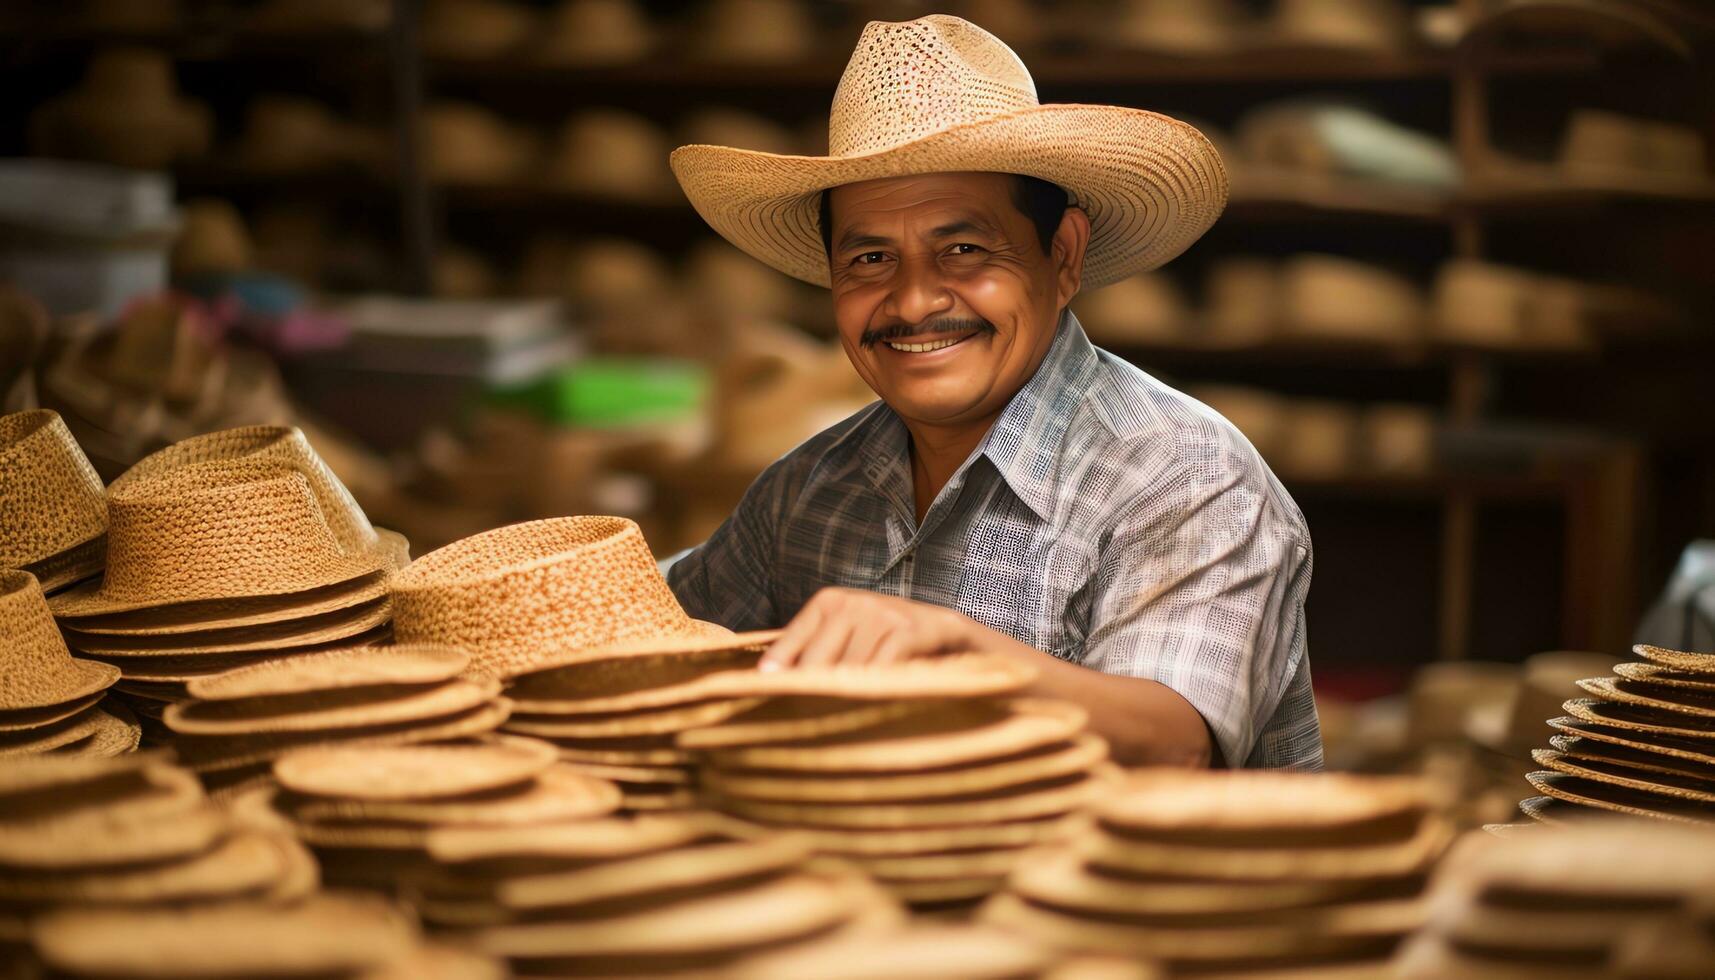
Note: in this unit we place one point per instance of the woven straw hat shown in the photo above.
(1686, 749)
(940, 94)
(1693, 663)
(513, 594)
(216, 530)
(418, 772)
(416, 663)
(51, 504)
(324, 710)
(39, 670)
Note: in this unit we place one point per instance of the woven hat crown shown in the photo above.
(50, 496)
(910, 80)
(36, 668)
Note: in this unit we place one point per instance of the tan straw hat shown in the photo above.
(515, 594)
(940, 94)
(418, 772)
(412, 663)
(216, 530)
(52, 512)
(1694, 663)
(38, 670)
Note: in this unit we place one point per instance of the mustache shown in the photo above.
(876, 335)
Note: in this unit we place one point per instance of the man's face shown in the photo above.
(944, 298)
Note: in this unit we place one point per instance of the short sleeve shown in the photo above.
(1201, 587)
(729, 579)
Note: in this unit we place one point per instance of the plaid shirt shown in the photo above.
(1105, 518)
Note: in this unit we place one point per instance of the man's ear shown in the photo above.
(1066, 251)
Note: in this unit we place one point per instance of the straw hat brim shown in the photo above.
(1693, 788)
(653, 799)
(217, 614)
(595, 840)
(243, 863)
(1162, 802)
(1610, 689)
(23, 719)
(924, 952)
(71, 679)
(417, 772)
(627, 724)
(46, 772)
(87, 599)
(669, 871)
(1027, 803)
(1077, 756)
(1637, 719)
(999, 730)
(56, 735)
(663, 756)
(1151, 184)
(218, 753)
(322, 628)
(1058, 878)
(167, 818)
(407, 663)
(797, 719)
(636, 775)
(947, 891)
(1548, 811)
(1691, 663)
(790, 907)
(1618, 799)
(118, 734)
(1609, 735)
(69, 567)
(1332, 863)
(1642, 761)
(318, 712)
(1665, 676)
(557, 794)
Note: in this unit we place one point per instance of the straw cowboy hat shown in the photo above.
(52, 512)
(515, 594)
(940, 94)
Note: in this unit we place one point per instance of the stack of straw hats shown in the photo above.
(328, 936)
(127, 111)
(49, 701)
(1236, 872)
(613, 712)
(225, 550)
(596, 32)
(1591, 900)
(53, 517)
(238, 722)
(1642, 744)
(925, 774)
(135, 831)
(661, 896)
(367, 811)
(517, 595)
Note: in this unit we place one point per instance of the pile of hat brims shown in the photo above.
(235, 724)
(367, 810)
(52, 702)
(1642, 744)
(225, 550)
(658, 895)
(1613, 897)
(130, 831)
(56, 515)
(926, 950)
(926, 774)
(1236, 873)
(616, 712)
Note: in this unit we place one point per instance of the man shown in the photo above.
(1015, 490)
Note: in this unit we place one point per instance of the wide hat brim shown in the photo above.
(1150, 184)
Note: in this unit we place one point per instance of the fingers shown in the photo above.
(828, 646)
(787, 648)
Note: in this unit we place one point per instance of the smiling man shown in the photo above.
(1016, 490)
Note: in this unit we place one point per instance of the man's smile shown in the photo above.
(929, 345)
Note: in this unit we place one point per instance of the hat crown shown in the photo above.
(29, 640)
(910, 80)
(50, 496)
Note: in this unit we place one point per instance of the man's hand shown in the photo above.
(851, 626)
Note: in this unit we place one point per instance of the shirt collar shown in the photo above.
(1023, 445)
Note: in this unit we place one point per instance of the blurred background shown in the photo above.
(1460, 300)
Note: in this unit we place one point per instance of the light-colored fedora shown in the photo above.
(940, 94)
(52, 512)
(222, 529)
(39, 671)
(516, 594)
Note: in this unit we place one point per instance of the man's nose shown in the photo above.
(919, 291)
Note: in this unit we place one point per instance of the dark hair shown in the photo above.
(1037, 199)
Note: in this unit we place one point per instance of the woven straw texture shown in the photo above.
(511, 593)
(36, 669)
(939, 95)
(50, 496)
(217, 530)
(267, 442)
(333, 670)
(193, 617)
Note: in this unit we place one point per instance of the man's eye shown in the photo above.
(870, 258)
(965, 248)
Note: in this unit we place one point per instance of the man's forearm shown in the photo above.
(1145, 722)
